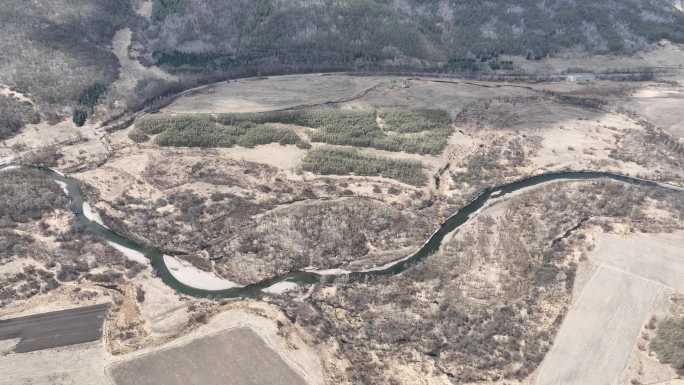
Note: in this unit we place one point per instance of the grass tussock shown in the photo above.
(669, 342)
(329, 161)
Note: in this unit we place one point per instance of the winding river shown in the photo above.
(433, 243)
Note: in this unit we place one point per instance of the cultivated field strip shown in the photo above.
(597, 336)
(236, 357)
(55, 329)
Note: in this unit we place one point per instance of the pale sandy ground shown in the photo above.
(61, 185)
(189, 275)
(72, 365)
(281, 287)
(92, 214)
(585, 144)
(661, 104)
(597, 337)
(131, 254)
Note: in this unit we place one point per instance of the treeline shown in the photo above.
(330, 161)
(421, 131)
(204, 131)
(87, 101)
(467, 36)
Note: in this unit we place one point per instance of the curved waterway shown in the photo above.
(308, 277)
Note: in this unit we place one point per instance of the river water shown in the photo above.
(308, 277)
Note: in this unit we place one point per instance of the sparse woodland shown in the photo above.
(488, 305)
(14, 114)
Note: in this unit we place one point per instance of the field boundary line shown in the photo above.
(629, 273)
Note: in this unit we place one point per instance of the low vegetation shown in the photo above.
(27, 195)
(485, 307)
(34, 207)
(501, 159)
(331, 161)
(405, 121)
(669, 342)
(204, 131)
(14, 114)
(414, 131)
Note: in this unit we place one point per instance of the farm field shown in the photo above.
(602, 326)
(236, 356)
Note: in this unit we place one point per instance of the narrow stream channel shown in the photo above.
(310, 277)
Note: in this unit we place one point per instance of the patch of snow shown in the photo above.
(131, 254)
(189, 275)
(57, 172)
(9, 168)
(280, 287)
(7, 346)
(63, 186)
(327, 271)
(92, 215)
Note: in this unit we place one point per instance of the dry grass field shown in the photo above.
(237, 357)
(600, 330)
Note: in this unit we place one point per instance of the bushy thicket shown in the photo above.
(414, 131)
(14, 114)
(414, 120)
(27, 195)
(202, 131)
(329, 161)
(668, 343)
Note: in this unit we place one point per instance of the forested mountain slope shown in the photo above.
(59, 52)
(400, 32)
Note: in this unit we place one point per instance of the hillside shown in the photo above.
(62, 54)
(199, 34)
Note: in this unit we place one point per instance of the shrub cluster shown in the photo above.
(669, 342)
(14, 114)
(201, 131)
(329, 161)
(27, 195)
(415, 131)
